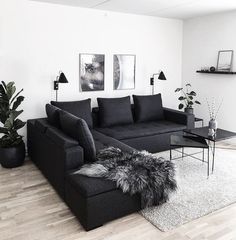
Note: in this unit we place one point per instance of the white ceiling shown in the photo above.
(181, 9)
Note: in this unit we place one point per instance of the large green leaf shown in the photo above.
(10, 89)
(17, 103)
(10, 120)
(14, 114)
(3, 130)
(16, 95)
(8, 124)
(181, 98)
(190, 97)
(18, 124)
(3, 94)
(197, 102)
(192, 93)
(4, 113)
(178, 89)
(181, 106)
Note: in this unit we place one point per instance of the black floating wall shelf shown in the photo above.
(215, 72)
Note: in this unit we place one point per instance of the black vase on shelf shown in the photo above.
(188, 110)
(13, 156)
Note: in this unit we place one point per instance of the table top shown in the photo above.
(188, 141)
(220, 135)
(198, 119)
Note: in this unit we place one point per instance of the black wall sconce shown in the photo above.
(161, 76)
(60, 79)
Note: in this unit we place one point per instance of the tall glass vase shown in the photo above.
(212, 127)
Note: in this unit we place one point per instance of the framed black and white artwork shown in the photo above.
(124, 71)
(92, 72)
(225, 59)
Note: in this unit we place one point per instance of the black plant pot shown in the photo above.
(12, 157)
(189, 110)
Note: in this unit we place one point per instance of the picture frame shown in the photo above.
(91, 72)
(225, 60)
(124, 68)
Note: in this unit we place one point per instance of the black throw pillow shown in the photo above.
(148, 108)
(81, 109)
(53, 115)
(114, 111)
(78, 129)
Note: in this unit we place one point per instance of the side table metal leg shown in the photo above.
(208, 162)
(213, 156)
(170, 155)
(203, 155)
(182, 153)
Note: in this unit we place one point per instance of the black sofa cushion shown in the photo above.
(88, 186)
(53, 115)
(81, 109)
(148, 108)
(103, 141)
(78, 129)
(114, 111)
(141, 129)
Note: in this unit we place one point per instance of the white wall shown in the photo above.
(39, 39)
(203, 38)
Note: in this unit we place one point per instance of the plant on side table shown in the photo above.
(187, 98)
(12, 147)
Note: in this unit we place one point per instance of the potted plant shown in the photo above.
(12, 147)
(187, 98)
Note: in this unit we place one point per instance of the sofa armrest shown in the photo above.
(73, 152)
(60, 138)
(179, 117)
(54, 154)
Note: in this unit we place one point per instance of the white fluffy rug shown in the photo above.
(196, 195)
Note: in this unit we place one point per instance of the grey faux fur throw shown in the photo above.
(136, 172)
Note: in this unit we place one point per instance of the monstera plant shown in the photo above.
(187, 98)
(12, 147)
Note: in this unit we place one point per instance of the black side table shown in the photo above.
(199, 120)
(179, 141)
(220, 135)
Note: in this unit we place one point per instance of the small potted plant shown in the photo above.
(12, 147)
(187, 98)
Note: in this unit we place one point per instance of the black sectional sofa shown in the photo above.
(95, 201)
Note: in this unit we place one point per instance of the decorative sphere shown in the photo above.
(212, 69)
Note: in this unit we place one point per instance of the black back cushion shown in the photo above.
(148, 108)
(114, 111)
(53, 115)
(78, 129)
(81, 109)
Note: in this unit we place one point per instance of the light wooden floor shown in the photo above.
(30, 210)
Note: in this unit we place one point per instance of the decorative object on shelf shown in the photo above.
(212, 69)
(123, 71)
(60, 79)
(161, 76)
(205, 68)
(12, 147)
(187, 98)
(213, 112)
(216, 72)
(225, 59)
(92, 72)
